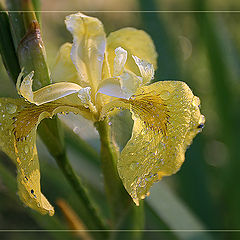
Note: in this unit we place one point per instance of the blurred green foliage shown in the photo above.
(201, 49)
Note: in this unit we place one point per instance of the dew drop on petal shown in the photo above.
(202, 119)
(11, 108)
(133, 165)
(76, 130)
(26, 149)
(165, 95)
(142, 183)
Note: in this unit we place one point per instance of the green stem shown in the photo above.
(122, 207)
(118, 198)
(125, 214)
(52, 136)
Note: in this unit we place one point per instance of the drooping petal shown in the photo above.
(135, 42)
(46, 94)
(18, 123)
(88, 47)
(166, 119)
(63, 69)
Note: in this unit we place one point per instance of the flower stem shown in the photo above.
(52, 137)
(122, 207)
(118, 198)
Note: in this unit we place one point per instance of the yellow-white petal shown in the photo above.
(46, 94)
(63, 69)
(119, 61)
(123, 86)
(129, 83)
(88, 47)
(135, 42)
(146, 69)
(111, 87)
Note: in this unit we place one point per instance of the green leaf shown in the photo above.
(7, 49)
(153, 24)
(175, 213)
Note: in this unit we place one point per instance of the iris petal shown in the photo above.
(135, 42)
(146, 69)
(46, 94)
(119, 61)
(88, 47)
(63, 69)
(18, 124)
(166, 119)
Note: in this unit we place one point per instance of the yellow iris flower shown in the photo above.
(92, 76)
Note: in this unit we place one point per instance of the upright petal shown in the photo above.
(63, 69)
(136, 42)
(18, 124)
(119, 61)
(166, 119)
(146, 69)
(88, 47)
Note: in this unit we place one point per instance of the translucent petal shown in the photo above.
(46, 94)
(88, 47)
(119, 61)
(63, 69)
(135, 42)
(18, 123)
(166, 119)
(129, 83)
(123, 86)
(146, 69)
(111, 87)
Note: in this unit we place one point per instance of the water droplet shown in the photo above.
(133, 97)
(49, 89)
(134, 165)
(196, 101)
(202, 119)
(143, 196)
(76, 130)
(11, 108)
(26, 149)
(142, 183)
(165, 95)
